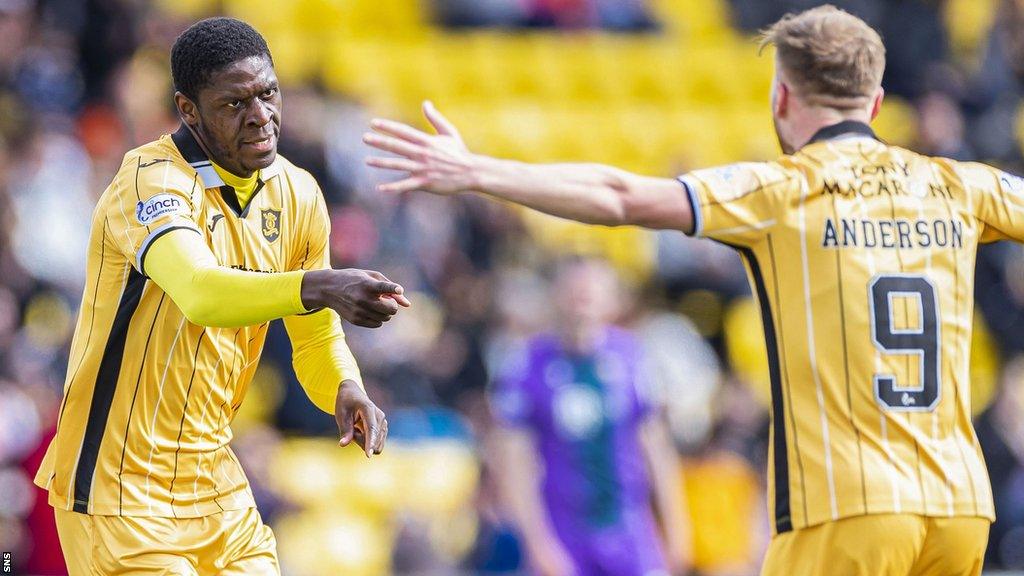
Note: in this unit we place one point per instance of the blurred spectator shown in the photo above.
(576, 407)
(51, 183)
(915, 38)
(1001, 434)
(475, 13)
(999, 292)
(941, 127)
(613, 15)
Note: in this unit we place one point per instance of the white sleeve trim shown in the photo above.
(140, 255)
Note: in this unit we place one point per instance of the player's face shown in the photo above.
(587, 294)
(239, 115)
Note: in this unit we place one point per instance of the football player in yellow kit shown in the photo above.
(861, 256)
(203, 237)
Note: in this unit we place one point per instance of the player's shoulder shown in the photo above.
(978, 174)
(741, 178)
(968, 173)
(296, 181)
(152, 168)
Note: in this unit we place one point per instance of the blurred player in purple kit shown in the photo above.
(574, 402)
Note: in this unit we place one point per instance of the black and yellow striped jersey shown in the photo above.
(149, 397)
(862, 257)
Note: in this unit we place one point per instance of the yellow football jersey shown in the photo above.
(149, 397)
(861, 256)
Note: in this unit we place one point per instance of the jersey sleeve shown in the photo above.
(737, 204)
(314, 249)
(148, 198)
(998, 201)
(320, 356)
(510, 399)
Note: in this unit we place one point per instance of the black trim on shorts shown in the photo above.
(106, 384)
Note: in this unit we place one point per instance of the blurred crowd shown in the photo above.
(83, 81)
(616, 15)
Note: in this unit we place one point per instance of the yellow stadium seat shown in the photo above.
(331, 541)
(723, 496)
(897, 122)
(296, 60)
(264, 15)
(189, 8)
(969, 23)
(316, 472)
(705, 20)
(435, 477)
(744, 341)
(986, 366)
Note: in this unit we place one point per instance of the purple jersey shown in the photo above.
(585, 412)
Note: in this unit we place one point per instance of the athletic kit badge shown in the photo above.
(271, 224)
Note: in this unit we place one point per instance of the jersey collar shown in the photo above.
(844, 128)
(197, 159)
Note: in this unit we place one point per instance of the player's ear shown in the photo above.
(876, 103)
(780, 100)
(186, 109)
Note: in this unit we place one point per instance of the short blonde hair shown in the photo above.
(831, 57)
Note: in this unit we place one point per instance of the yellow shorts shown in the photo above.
(881, 545)
(232, 543)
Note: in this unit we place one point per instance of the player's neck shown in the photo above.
(815, 118)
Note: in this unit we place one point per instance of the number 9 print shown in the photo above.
(923, 341)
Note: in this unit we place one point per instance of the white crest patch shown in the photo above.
(727, 172)
(157, 206)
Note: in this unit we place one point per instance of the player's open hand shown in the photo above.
(434, 163)
(363, 297)
(359, 419)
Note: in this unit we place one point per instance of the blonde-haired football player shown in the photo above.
(861, 256)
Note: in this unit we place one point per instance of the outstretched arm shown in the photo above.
(209, 294)
(591, 193)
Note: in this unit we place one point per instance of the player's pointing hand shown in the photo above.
(438, 163)
(364, 298)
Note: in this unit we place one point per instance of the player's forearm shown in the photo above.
(591, 193)
(321, 356)
(321, 368)
(213, 295)
(223, 297)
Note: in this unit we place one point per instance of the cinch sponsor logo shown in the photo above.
(157, 206)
